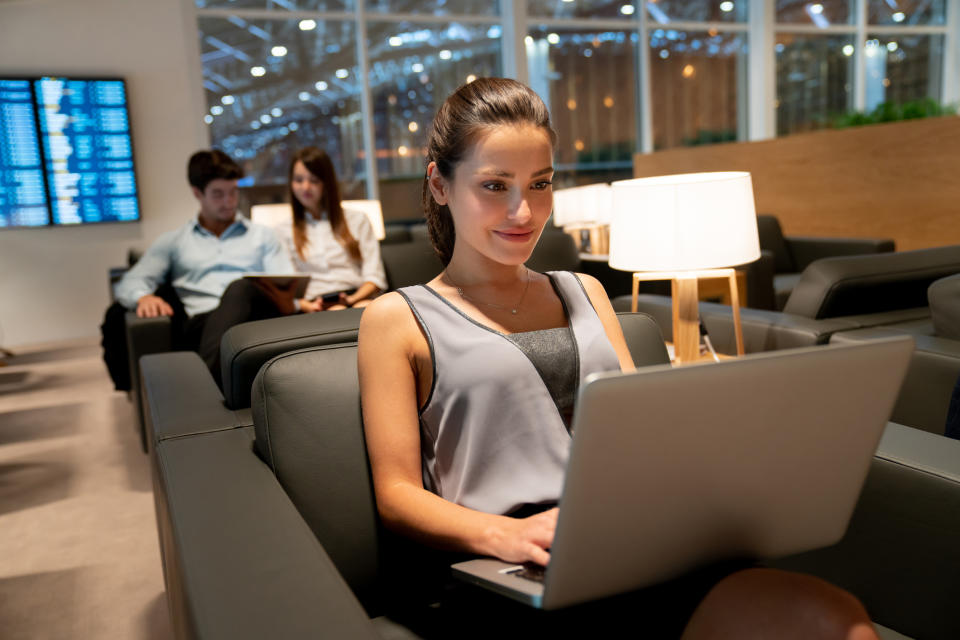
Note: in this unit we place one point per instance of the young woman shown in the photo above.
(467, 386)
(336, 246)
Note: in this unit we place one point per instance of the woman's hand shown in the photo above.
(523, 539)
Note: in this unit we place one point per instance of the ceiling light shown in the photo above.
(342, 73)
(276, 112)
(304, 96)
(227, 99)
(278, 51)
(553, 38)
(257, 71)
(445, 54)
(627, 9)
(308, 25)
(726, 7)
(265, 118)
(321, 86)
(395, 41)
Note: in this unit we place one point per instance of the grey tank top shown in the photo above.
(491, 436)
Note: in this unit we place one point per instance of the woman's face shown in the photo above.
(500, 194)
(306, 187)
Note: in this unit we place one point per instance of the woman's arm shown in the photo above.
(393, 358)
(598, 297)
(363, 292)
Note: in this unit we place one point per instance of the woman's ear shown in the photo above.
(437, 183)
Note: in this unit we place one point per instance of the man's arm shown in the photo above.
(143, 278)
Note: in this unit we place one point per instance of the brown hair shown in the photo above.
(319, 164)
(206, 166)
(471, 109)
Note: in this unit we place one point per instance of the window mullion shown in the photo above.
(366, 104)
(514, 48)
(860, 57)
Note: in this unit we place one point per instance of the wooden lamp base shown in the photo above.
(686, 316)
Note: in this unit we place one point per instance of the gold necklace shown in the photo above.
(512, 310)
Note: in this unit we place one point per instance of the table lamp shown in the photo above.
(681, 228)
(584, 212)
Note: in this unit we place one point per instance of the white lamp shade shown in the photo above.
(589, 204)
(374, 214)
(683, 222)
(275, 216)
(278, 216)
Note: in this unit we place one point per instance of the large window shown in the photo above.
(363, 78)
(413, 68)
(275, 85)
(836, 57)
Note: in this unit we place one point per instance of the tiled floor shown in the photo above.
(78, 543)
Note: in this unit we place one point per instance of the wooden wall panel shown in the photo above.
(899, 180)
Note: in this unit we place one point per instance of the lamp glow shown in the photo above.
(681, 227)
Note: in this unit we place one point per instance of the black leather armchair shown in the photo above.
(935, 366)
(792, 254)
(273, 531)
(832, 295)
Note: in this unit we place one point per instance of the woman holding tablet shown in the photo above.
(336, 246)
(468, 442)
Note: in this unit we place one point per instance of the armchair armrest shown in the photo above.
(181, 398)
(239, 561)
(762, 330)
(900, 551)
(807, 249)
(144, 336)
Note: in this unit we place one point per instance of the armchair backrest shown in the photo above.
(872, 283)
(771, 239)
(944, 297)
(309, 430)
(409, 263)
(246, 347)
(555, 251)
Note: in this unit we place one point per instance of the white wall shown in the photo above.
(53, 281)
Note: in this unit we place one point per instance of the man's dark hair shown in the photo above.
(206, 166)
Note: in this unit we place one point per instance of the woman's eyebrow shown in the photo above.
(500, 173)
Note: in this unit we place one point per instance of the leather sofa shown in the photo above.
(792, 254)
(272, 531)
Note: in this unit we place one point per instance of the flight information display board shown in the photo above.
(67, 152)
(23, 192)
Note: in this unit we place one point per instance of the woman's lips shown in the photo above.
(515, 236)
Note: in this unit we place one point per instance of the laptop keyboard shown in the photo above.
(532, 572)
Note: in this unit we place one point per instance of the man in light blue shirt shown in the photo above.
(194, 274)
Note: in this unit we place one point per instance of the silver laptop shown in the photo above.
(672, 468)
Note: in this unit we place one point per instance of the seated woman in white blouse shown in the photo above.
(336, 246)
